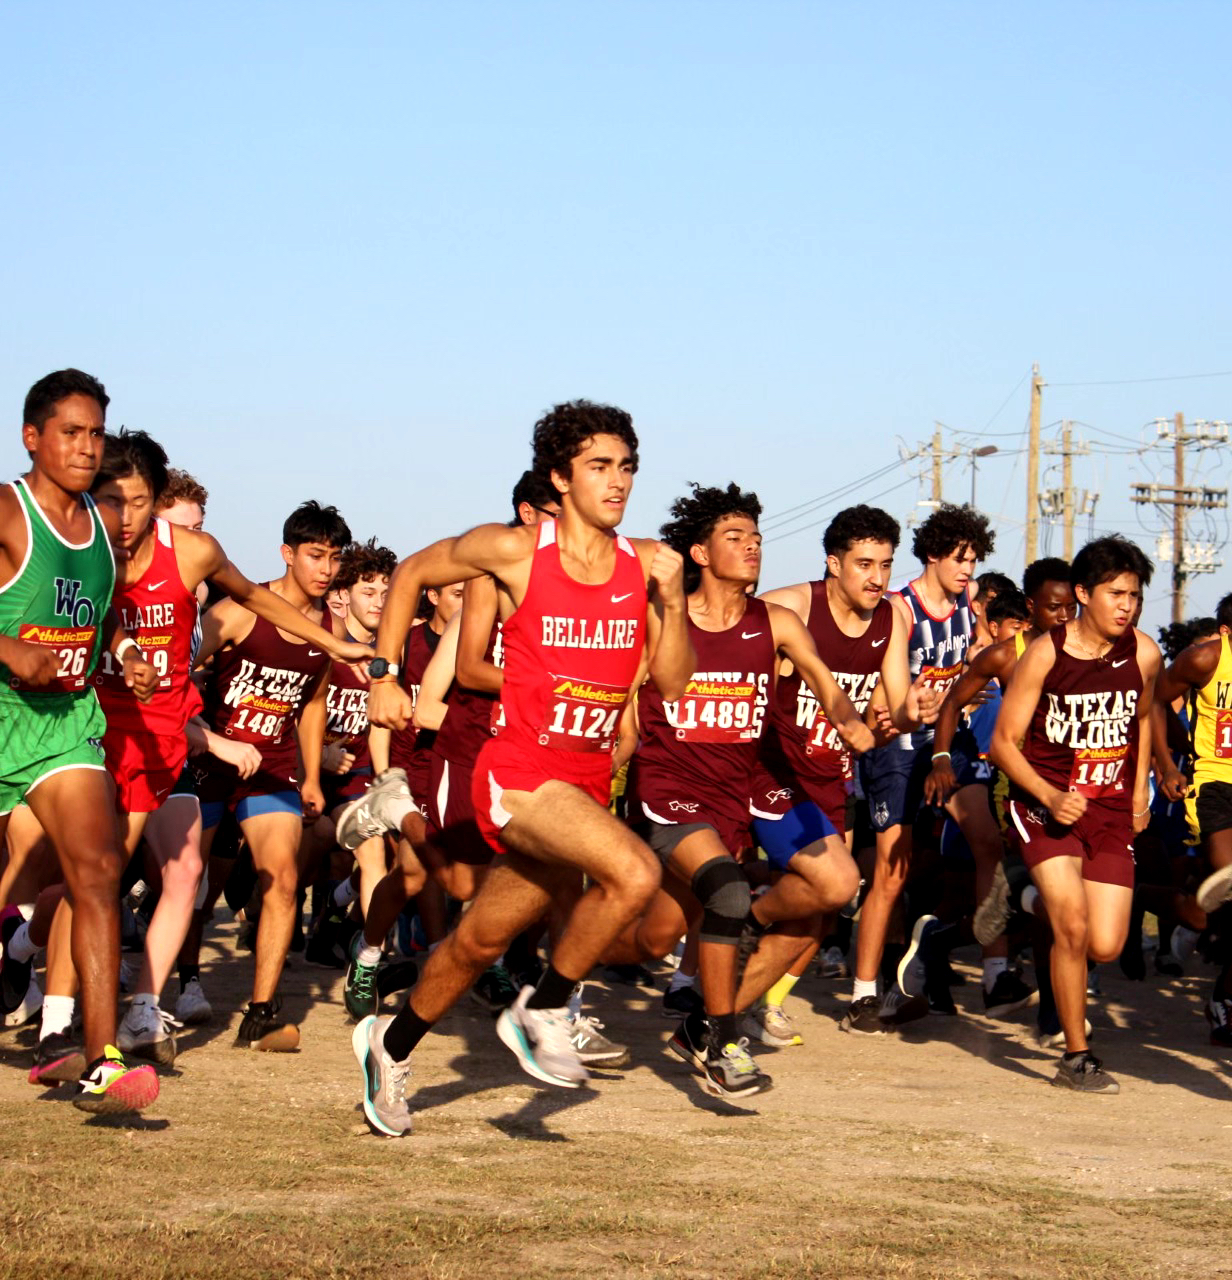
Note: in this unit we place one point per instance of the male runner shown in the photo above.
(255, 693)
(1202, 674)
(580, 605)
(937, 611)
(1081, 698)
(695, 782)
(56, 580)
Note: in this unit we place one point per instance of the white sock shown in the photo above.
(57, 1015)
(345, 893)
(681, 980)
(26, 909)
(367, 954)
(861, 989)
(994, 967)
(20, 947)
(1029, 896)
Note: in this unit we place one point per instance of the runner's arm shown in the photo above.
(941, 782)
(1149, 663)
(672, 659)
(139, 675)
(378, 747)
(311, 734)
(438, 676)
(243, 755)
(480, 606)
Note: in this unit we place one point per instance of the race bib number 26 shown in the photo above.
(72, 647)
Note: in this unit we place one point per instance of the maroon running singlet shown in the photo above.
(410, 748)
(572, 652)
(1083, 737)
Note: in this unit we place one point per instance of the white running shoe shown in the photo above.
(769, 1024)
(385, 1080)
(380, 809)
(29, 1008)
(542, 1042)
(148, 1032)
(1216, 889)
(192, 1008)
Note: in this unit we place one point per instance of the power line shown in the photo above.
(798, 511)
(1129, 382)
(778, 537)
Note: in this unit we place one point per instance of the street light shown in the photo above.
(982, 452)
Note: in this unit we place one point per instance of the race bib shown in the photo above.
(155, 649)
(582, 715)
(824, 740)
(940, 678)
(258, 719)
(1097, 772)
(72, 647)
(496, 720)
(716, 711)
(1223, 735)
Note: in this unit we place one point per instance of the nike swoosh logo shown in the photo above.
(153, 586)
(314, 653)
(748, 635)
(618, 599)
(878, 643)
(1121, 663)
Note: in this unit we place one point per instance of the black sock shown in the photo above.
(404, 1033)
(553, 990)
(725, 1029)
(187, 973)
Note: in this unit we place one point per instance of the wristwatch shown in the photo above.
(378, 668)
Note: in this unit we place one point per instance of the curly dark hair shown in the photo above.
(364, 560)
(181, 487)
(1049, 569)
(47, 392)
(694, 518)
(951, 528)
(563, 431)
(133, 453)
(859, 524)
(1108, 558)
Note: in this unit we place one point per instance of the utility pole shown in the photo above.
(1067, 490)
(1033, 449)
(1199, 557)
(1065, 501)
(936, 451)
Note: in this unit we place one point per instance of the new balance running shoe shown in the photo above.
(385, 1080)
(1085, 1073)
(542, 1042)
(58, 1059)
(730, 1072)
(263, 1029)
(380, 809)
(109, 1086)
(592, 1047)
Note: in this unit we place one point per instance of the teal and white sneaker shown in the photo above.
(385, 1080)
(542, 1042)
(359, 991)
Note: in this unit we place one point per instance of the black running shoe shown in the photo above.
(863, 1017)
(58, 1059)
(329, 943)
(1085, 1073)
(397, 975)
(14, 974)
(1009, 992)
(494, 990)
(682, 1002)
(263, 1029)
(689, 1042)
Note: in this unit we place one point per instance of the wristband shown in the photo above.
(937, 755)
(1143, 813)
(123, 647)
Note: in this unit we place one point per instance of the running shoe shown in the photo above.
(148, 1032)
(379, 809)
(592, 1047)
(730, 1071)
(1219, 1015)
(494, 989)
(58, 1059)
(28, 1007)
(912, 969)
(359, 990)
(1050, 1036)
(14, 974)
(330, 940)
(993, 913)
(394, 976)
(385, 1080)
(938, 992)
(682, 1002)
(192, 1008)
(899, 1007)
(1009, 992)
(263, 1029)
(833, 964)
(769, 1024)
(689, 1041)
(108, 1086)
(863, 1017)
(1216, 889)
(542, 1042)
(1095, 989)
(1086, 1074)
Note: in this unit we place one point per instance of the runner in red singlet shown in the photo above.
(577, 620)
(1081, 698)
(695, 780)
(255, 692)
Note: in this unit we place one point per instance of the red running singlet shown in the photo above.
(572, 652)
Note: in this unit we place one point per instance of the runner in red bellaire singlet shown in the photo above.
(800, 748)
(572, 652)
(1083, 737)
(145, 744)
(697, 755)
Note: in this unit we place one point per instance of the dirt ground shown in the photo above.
(941, 1151)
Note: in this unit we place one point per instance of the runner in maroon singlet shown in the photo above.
(577, 620)
(1081, 697)
(695, 773)
(259, 683)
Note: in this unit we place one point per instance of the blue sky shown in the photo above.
(352, 252)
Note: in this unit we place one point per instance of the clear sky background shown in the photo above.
(352, 251)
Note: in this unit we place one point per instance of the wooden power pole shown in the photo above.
(1067, 489)
(1178, 523)
(1033, 453)
(936, 452)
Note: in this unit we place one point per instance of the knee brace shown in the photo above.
(719, 885)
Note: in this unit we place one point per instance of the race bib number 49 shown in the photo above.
(582, 715)
(1097, 771)
(72, 647)
(715, 711)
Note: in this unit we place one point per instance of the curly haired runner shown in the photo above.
(584, 609)
(937, 610)
(695, 784)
